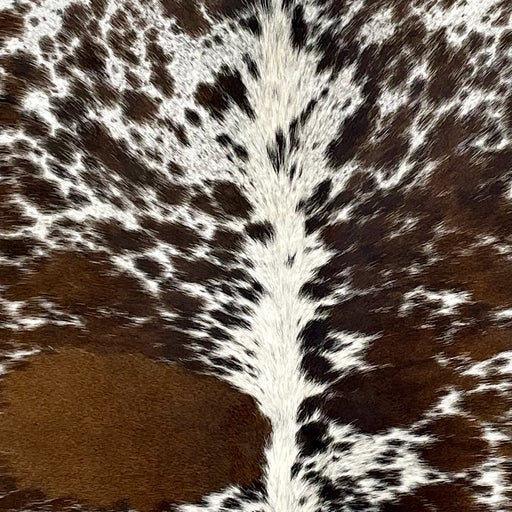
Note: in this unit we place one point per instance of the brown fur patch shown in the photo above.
(11, 214)
(11, 25)
(488, 405)
(139, 106)
(443, 497)
(179, 235)
(388, 397)
(106, 429)
(227, 89)
(187, 14)
(459, 444)
(62, 276)
(23, 72)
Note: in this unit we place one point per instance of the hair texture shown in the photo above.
(300, 211)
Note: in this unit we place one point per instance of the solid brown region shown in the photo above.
(101, 334)
(488, 405)
(442, 497)
(105, 429)
(459, 444)
(388, 397)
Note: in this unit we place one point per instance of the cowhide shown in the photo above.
(256, 255)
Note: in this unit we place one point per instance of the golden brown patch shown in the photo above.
(103, 429)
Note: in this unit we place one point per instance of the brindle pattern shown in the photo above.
(308, 199)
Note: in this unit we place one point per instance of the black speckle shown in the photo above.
(296, 467)
(314, 334)
(252, 24)
(193, 117)
(241, 152)
(312, 438)
(299, 27)
(319, 196)
(230, 503)
(309, 406)
(262, 231)
(276, 153)
(227, 89)
(224, 140)
(317, 367)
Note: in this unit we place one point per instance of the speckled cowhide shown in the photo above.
(255, 255)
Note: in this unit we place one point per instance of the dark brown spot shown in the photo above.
(23, 73)
(34, 125)
(204, 203)
(388, 397)
(11, 25)
(42, 192)
(62, 146)
(479, 344)
(180, 301)
(120, 41)
(99, 7)
(120, 239)
(91, 56)
(231, 200)
(262, 231)
(171, 193)
(172, 233)
(447, 67)
(192, 116)
(139, 106)
(149, 266)
(299, 28)
(227, 89)
(197, 270)
(10, 114)
(159, 59)
(12, 216)
(114, 154)
(16, 247)
(229, 8)
(187, 14)
(73, 19)
(345, 146)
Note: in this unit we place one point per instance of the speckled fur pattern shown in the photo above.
(309, 199)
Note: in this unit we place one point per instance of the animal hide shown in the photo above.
(255, 255)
